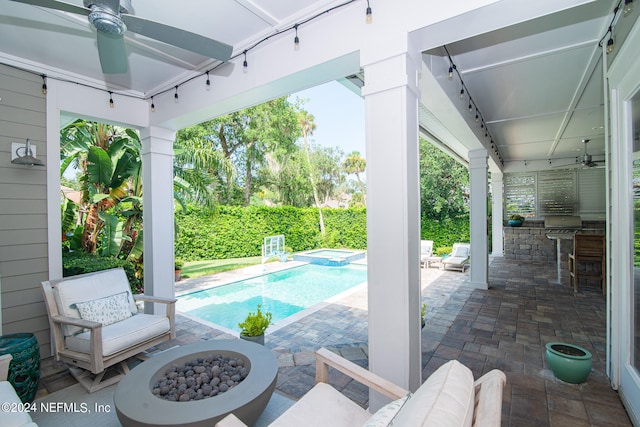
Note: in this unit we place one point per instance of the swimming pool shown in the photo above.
(283, 293)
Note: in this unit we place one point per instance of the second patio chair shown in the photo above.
(459, 258)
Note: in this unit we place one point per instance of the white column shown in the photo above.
(157, 180)
(393, 221)
(497, 223)
(479, 272)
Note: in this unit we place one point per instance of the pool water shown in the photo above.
(282, 293)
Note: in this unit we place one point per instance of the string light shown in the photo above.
(245, 65)
(111, 104)
(208, 82)
(369, 16)
(296, 40)
(175, 96)
(153, 106)
(44, 84)
(472, 105)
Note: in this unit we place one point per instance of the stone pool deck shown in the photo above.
(504, 327)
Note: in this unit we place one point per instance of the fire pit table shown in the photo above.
(136, 405)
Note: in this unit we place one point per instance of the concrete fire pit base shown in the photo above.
(136, 406)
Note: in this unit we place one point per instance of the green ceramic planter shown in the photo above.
(569, 362)
(24, 369)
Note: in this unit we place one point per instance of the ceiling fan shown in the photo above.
(112, 18)
(586, 158)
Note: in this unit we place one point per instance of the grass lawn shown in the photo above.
(202, 268)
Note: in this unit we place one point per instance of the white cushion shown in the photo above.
(100, 284)
(122, 335)
(446, 399)
(323, 406)
(461, 251)
(12, 417)
(454, 260)
(107, 310)
(384, 416)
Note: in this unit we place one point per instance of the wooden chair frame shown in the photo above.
(89, 368)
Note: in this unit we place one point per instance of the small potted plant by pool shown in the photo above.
(516, 220)
(178, 263)
(254, 325)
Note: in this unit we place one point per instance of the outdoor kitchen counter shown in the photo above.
(531, 243)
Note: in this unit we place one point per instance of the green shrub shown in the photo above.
(74, 263)
(238, 232)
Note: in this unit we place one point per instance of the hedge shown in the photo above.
(237, 232)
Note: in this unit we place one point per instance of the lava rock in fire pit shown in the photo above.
(200, 378)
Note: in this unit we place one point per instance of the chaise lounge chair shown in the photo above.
(459, 258)
(426, 252)
(449, 397)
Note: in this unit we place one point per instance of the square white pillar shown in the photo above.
(478, 182)
(158, 227)
(393, 221)
(497, 223)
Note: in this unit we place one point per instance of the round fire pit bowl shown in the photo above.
(137, 406)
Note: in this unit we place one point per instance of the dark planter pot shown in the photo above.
(569, 362)
(258, 340)
(24, 369)
(515, 223)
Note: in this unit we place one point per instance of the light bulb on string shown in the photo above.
(477, 116)
(296, 40)
(470, 106)
(462, 93)
(369, 15)
(245, 65)
(450, 75)
(176, 98)
(153, 106)
(610, 45)
(111, 104)
(44, 84)
(628, 7)
(208, 82)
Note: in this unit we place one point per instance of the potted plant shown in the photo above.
(254, 325)
(423, 311)
(516, 220)
(178, 263)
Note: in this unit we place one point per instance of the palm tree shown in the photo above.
(354, 164)
(307, 125)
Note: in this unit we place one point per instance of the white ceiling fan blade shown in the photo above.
(113, 57)
(177, 37)
(58, 5)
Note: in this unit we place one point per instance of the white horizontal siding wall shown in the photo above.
(23, 208)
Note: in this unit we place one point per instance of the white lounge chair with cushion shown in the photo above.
(10, 415)
(459, 258)
(95, 324)
(449, 397)
(426, 252)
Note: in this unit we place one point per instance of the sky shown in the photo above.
(338, 115)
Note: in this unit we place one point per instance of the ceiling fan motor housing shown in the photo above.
(105, 17)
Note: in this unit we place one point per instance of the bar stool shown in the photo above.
(588, 248)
